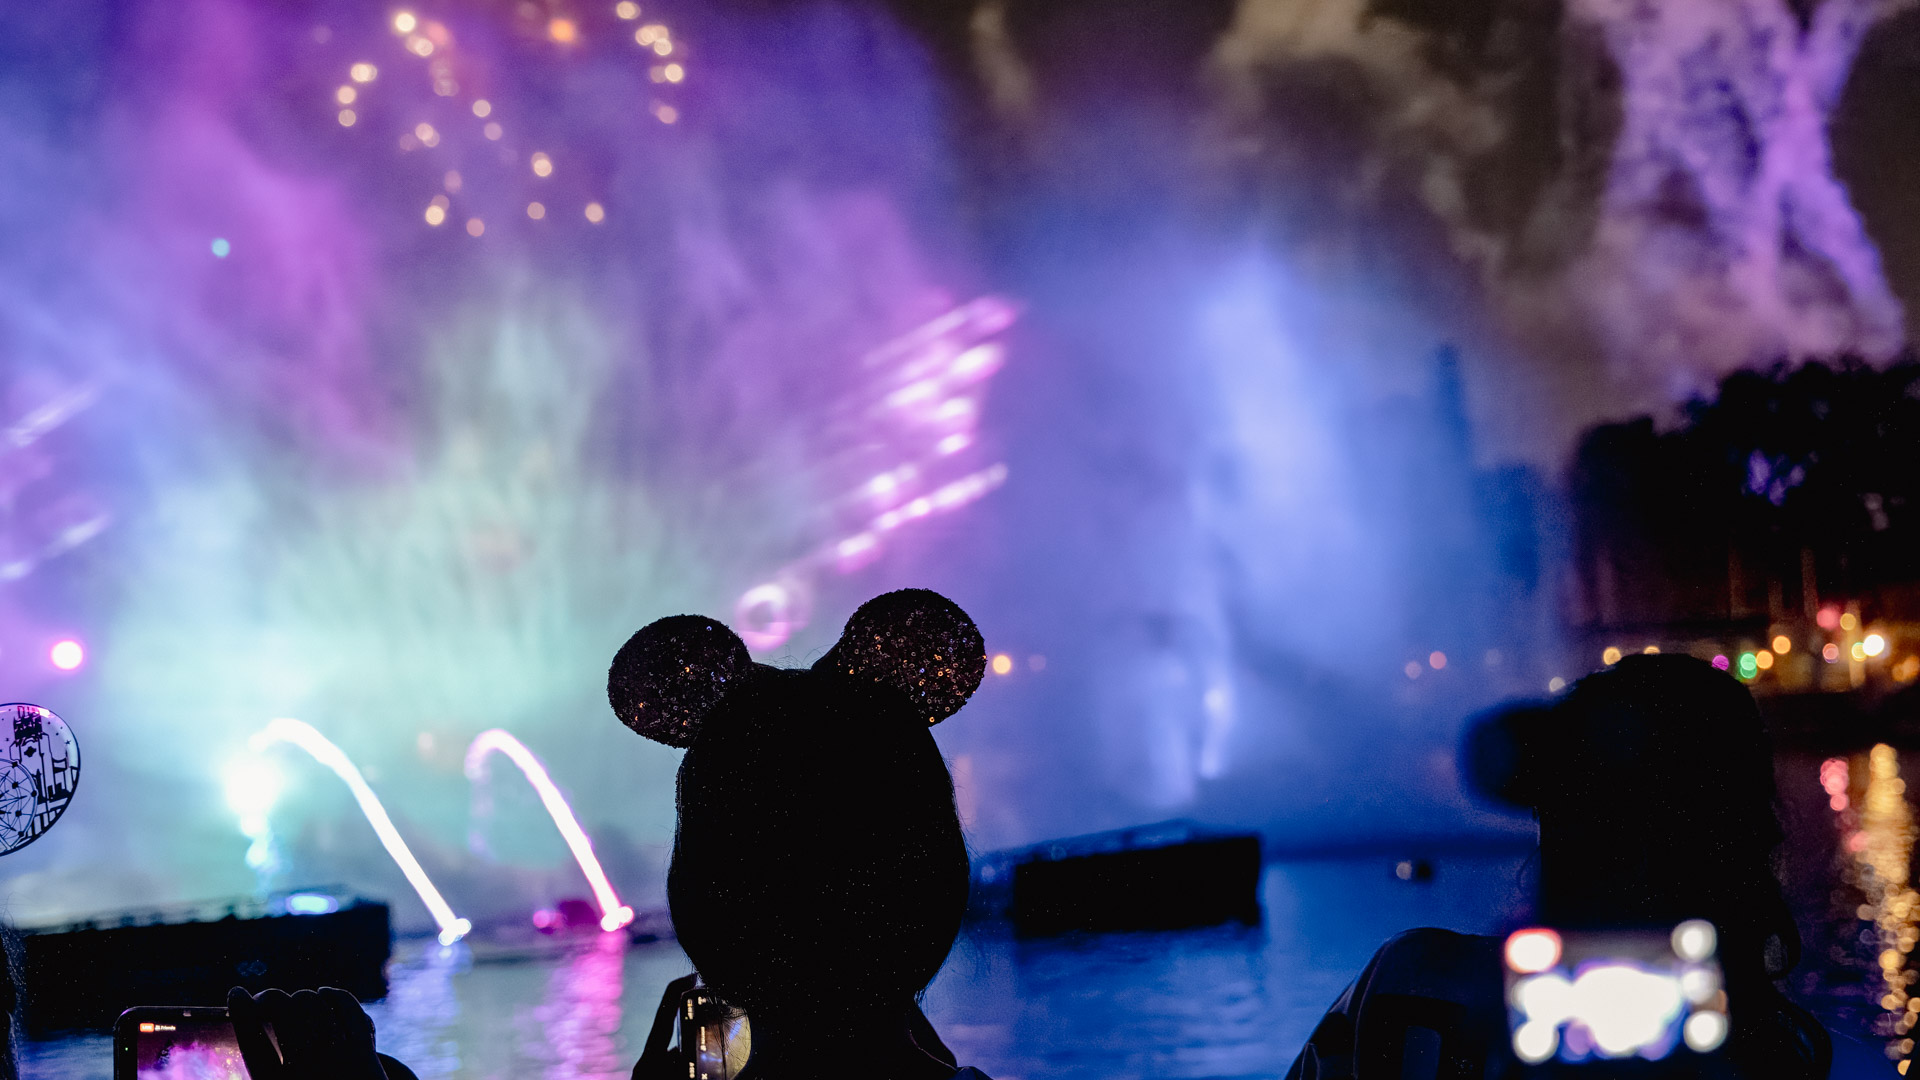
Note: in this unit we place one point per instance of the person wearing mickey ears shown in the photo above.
(819, 874)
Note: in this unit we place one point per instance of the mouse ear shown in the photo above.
(918, 642)
(667, 677)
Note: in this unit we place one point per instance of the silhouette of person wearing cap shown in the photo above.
(1652, 782)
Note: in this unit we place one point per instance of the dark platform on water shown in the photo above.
(1152, 877)
(82, 975)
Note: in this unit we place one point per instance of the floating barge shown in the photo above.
(1166, 876)
(81, 975)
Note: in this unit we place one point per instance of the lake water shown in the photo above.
(1224, 1002)
(1229, 1002)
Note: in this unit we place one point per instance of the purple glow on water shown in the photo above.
(579, 1021)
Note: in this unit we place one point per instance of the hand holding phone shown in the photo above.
(316, 1035)
(275, 1036)
(658, 1061)
(714, 1040)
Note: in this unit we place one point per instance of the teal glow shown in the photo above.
(482, 581)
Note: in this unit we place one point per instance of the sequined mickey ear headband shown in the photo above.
(670, 675)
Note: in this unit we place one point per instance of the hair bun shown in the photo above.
(669, 675)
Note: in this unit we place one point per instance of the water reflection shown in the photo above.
(418, 1022)
(1876, 834)
(1226, 1002)
(576, 1029)
(1213, 1003)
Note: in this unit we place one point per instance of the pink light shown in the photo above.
(856, 551)
(981, 318)
(613, 914)
(913, 393)
(978, 362)
(764, 616)
(954, 410)
(67, 655)
(1721, 662)
(1834, 776)
(923, 400)
(968, 488)
(990, 315)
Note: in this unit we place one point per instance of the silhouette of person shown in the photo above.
(10, 981)
(1652, 783)
(819, 874)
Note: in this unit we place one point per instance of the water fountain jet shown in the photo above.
(613, 914)
(322, 749)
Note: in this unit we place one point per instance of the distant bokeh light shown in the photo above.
(67, 655)
(1530, 951)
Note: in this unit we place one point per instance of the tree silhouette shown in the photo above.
(1790, 477)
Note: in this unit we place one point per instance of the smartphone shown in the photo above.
(714, 1037)
(1597, 997)
(160, 1042)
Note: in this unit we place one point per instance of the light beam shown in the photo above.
(613, 914)
(303, 735)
